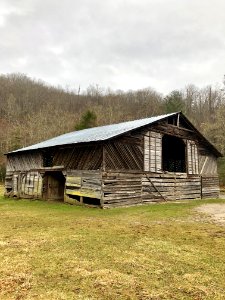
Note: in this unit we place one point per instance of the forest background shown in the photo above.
(32, 111)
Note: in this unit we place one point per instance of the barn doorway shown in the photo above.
(53, 186)
(173, 154)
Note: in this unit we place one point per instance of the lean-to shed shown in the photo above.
(154, 159)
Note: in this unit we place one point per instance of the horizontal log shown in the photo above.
(121, 180)
(85, 193)
(120, 191)
(91, 181)
(84, 173)
(120, 197)
(124, 188)
(172, 185)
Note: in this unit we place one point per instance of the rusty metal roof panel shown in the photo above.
(95, 134)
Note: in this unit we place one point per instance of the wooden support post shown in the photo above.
(103, 158)
(178, 120)
(201, 187)
(81, 199)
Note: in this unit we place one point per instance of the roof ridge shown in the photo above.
(95, 134)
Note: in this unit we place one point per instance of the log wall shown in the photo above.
(121, 188)
(210, 186)
(170, 186)
(83, 184)
(132, 188)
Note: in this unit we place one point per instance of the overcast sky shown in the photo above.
(121, 44)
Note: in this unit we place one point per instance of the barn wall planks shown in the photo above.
(25, 185)
(153, 151)
(210, 186)
(207, 164)
(18, 167)
(121, 188)
(81, 158)
(181, 132)
(192, 158)
(171, 186)
(83, 184)
(9, 181)
(126, 189)
(30, 185)
(120, 155)
(24, 161)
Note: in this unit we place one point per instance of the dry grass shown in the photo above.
(56, 251)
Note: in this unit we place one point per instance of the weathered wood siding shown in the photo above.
(208, 171)
(79, 158)
(192, 157)
(208, 164)
(8, 181)
(24, 161)
(30, 185)
(161, 187)
(153, 151)
(121, 188)
(153, 147)
(18, 166)
(210, 186)
(131, 188)
(120, 155)
(83, 184)
(181, 132)
(24, 184)
(15, 185)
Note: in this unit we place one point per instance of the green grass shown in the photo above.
(58, 251)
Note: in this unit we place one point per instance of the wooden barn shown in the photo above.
(160, 158)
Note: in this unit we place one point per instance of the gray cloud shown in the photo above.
(122, 44)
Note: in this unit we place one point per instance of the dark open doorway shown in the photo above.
(53, 185)
(173, 154)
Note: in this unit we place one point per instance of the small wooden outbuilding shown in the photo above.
(154, 159)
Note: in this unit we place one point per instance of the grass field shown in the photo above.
(58, 251)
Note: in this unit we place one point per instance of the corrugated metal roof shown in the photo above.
(95, 134)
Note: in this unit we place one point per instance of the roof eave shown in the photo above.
(100, 140)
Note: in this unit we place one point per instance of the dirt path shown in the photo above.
(216, 212)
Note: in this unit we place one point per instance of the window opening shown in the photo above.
(86, 200)
(172, 121)
(91, 201)
(47, 159)
(173, 154)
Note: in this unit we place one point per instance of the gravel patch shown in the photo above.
(215, 211)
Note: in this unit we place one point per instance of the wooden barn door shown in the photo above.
(53, 186)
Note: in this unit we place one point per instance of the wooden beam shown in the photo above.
(155, 187)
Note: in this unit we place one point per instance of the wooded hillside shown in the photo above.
(31, 111)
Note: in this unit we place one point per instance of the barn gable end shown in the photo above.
(157, 159)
